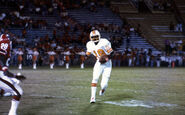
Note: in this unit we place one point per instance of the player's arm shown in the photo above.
(87, 55)
(7, 72)
(88, 52)
(109, 50)
(111, 54)
(10, 74)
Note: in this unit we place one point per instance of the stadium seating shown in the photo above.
(137, 42)
(103, 15)
(124, 6)
(181, 7)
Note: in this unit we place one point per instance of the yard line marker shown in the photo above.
(137, 103)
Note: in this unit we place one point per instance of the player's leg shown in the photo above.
(8, 86)
(4, 94)
(97, 71)
(105, 77)
(15, 99)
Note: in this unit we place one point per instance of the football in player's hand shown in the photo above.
(19, 76)
(103, 59)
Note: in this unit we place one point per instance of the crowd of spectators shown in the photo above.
(172, 46)
(133, 57)
(74, 36)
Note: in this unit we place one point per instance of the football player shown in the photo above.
(101, 49)
(8, 81)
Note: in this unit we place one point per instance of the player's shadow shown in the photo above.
(96, 108)
(119, 97)
(92, 109)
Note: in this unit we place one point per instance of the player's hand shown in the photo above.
(20, 77)
(103, 59)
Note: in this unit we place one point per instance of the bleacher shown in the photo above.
(125, 6)
(103, 15)
(181, 7)
(130, 13)
(155, 25)
(136, 42)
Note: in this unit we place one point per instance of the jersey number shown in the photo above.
(4, 46)
(100, 52)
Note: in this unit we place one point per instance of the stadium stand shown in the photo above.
(155, 26)
(127, 24)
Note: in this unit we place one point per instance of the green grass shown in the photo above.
(67, 92)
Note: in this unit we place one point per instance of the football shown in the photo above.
(103, 59)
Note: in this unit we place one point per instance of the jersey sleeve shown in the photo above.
(108, 47)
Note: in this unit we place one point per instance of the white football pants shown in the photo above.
(105, 70)
(10, 85)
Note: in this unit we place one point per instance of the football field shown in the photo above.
(131, 91)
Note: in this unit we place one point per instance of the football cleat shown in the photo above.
(92, 100)
(102, 91)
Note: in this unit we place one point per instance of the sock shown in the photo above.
(34, 66)
(14, 107)
(93, 91)
(20, 66)
(67, 65)
(82, 66)
(51, 66)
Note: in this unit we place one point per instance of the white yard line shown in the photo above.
(137, 103)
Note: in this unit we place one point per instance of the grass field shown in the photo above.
(131, 91)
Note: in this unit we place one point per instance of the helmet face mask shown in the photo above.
(95, 36)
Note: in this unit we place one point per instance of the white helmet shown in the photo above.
(95, 36)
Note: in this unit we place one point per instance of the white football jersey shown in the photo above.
(102, 48)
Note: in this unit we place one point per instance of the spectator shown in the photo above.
(179, 27)
(58, 25)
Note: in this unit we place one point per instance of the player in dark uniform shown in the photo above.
(8, 81)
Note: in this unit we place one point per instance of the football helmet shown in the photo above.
(4, 37)
(95, 36)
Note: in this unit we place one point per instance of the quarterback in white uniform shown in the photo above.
(99, 47)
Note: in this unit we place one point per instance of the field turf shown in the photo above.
(131, 91)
